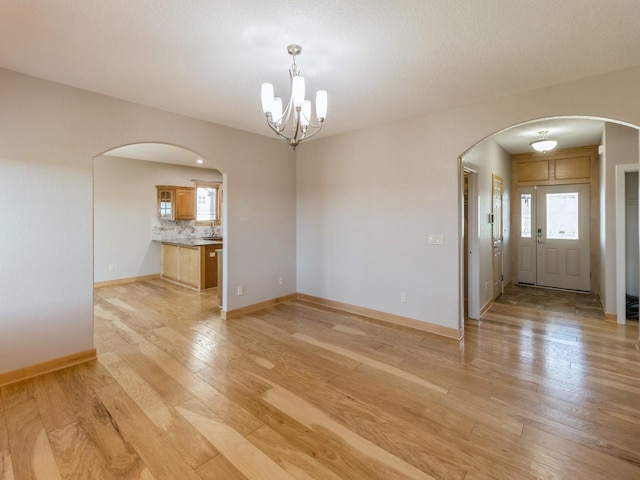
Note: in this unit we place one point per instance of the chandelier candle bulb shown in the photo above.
(306, 113)
(321, 105)
(296, 112)
(277, 111)
(297, 91)
(267, 98)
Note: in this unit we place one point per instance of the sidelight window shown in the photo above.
(525, 215)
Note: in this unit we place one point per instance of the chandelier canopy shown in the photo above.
(544, 144)
(293, 124)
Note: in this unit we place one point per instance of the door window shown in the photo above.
(562, 216)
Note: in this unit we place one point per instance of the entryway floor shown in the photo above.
(584, 304)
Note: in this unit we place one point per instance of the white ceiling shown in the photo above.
(379, 60)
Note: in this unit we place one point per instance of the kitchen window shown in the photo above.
(208, 203)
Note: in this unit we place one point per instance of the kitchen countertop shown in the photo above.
(191, 242)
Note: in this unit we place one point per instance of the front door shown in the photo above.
(562, 237)
(497, 237)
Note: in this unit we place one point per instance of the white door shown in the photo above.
(497, 237)
(562, 237)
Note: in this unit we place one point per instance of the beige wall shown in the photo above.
(49, 135)
(620, 147)
(367, 200)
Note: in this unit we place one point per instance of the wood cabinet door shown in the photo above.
(166, 202)
(189, 266)
(185, 203)
(169, 261)
(210, 266)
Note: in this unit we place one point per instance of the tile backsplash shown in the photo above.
(170, 229)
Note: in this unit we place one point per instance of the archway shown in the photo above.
(618, 143)
(127, 230)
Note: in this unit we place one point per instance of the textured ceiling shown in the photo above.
(379, 60)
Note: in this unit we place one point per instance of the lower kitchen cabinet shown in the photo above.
(190, 265)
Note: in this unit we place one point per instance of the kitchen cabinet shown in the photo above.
(169, 262)
(185, 203)
(194, 266)
(211, 266)
(176, 203)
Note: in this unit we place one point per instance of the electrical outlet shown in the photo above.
(280, 281)
(240, 290)
(111, 267)
(403, 297)
(435, 239)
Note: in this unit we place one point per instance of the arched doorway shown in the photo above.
(127, 228)
(618, 145)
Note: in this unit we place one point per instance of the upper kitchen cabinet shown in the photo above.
(185, 203)
(176, 203)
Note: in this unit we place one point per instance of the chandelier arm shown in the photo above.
(296, 130)
(313, 133)
(278, 132)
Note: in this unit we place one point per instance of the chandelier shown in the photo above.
(293, 124)
(543, 144)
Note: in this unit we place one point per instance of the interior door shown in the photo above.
(498, 274)
(562, 237)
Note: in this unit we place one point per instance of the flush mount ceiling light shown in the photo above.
(297, 113)
(543, 144)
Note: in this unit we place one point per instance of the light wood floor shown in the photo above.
(301, 392)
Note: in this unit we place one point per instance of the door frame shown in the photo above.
(473, 257)
(497, 178)
(594, 200)
(621, 235)
(583, 243)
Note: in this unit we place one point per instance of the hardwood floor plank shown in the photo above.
(332, 452)
(219, 468)
(6, 466)
(298, 464)
(423, 408)
(383, 367)
(117, 454)
(238, 418)
(171, 391)
(75, 455)
(282, 346)
(150, 442)
(311, 417)
(117, 325)
(590, 462)
(53, 405)
(187, 441)
(598, 421)
(241, 453)
(31, 452)
(170, 342)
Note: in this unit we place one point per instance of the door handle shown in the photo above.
(540, 241)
